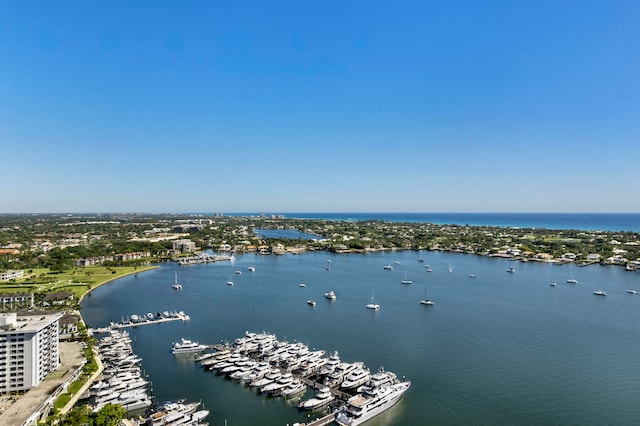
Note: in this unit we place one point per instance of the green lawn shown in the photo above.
(76, 280)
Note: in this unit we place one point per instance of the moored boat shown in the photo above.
(187, 346)
(321, 399)
(369, 404)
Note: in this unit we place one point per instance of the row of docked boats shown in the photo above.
(173, 413)
(282, 369)
(200, 258)
(122, 382)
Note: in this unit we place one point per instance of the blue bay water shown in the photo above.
(502, 348)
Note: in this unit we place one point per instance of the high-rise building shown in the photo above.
(28, 350)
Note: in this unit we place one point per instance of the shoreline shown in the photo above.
(146, 268)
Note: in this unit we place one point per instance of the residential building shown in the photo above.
(16, 299)
(10, 275)
(184, 246)
(29, 350)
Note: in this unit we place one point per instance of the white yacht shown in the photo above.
(600, 293)
(311, 302)
(251, 268)
(632, 291)
(342, 371)
(387, 267)
(168, 412)
(322, 398)
(380, 379)
(330, 295)
(367, 405)
(330, 365)
(356, 378)
(280, 383)
(572, 281)
(257, 373)
(294, 387)
(270, 377)
(187, 346)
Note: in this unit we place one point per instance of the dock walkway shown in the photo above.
(116, 325)
(322, 420)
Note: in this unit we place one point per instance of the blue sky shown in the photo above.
(294, 106)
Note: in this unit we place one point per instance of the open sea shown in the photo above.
(581, 221)
(499, 349)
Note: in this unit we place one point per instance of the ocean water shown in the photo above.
(581, 221)
(499, 349)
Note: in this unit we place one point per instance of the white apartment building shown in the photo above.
(29, 350)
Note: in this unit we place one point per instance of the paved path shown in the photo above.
(97, 374)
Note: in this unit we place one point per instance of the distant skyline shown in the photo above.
(333, 106)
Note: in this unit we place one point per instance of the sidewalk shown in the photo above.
(86, 386)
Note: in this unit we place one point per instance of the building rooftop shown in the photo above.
(26, 323)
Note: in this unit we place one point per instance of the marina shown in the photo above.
(201, 258)
(453, 352)
(283, 369)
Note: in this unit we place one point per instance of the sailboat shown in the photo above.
(229, 282)
(406, 281)
(600, 292)
(175, 285)
(424, 300)
(372, 305)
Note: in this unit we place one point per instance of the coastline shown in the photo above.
(146, 268)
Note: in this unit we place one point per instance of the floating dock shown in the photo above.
(203, 258)
(143, 320)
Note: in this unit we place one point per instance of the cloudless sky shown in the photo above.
(297, 106)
